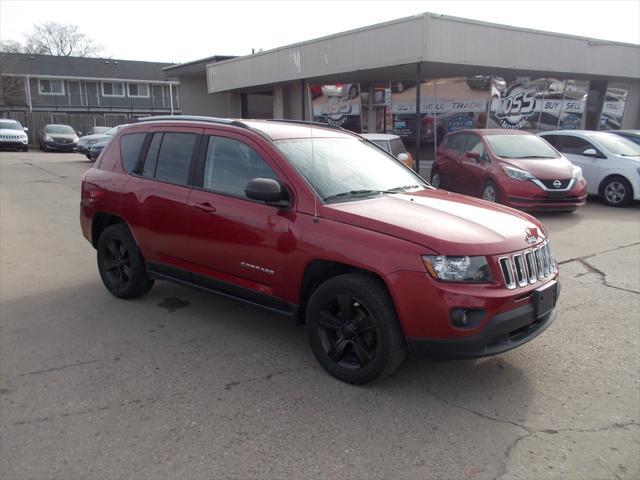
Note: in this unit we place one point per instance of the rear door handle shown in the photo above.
(205, 207)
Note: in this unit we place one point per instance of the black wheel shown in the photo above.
(353, 329)
(490, 192)
(436, 181)
(25, 149)
(616, 191)
(120, 263)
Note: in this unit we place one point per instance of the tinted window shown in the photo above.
(554, 140)
(574, 145)
(475, 145)
(151, 160)
(230, 165)
(130, 146)
(174, 159)
(61, 129)
(382, 144)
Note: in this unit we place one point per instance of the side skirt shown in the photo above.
(161, 271)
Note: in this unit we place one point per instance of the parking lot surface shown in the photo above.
(184, 384)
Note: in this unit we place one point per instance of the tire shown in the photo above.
(120, 263)
(490, 192)
(366, 347)
(436, 181)
(25, 149)
(616, 191)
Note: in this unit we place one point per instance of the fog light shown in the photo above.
(464, 318)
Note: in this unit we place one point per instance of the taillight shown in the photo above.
(428, 121)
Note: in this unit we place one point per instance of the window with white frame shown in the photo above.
(138, 90)
(112, 89)
(50, 87)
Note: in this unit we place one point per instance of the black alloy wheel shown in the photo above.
(120, 263)
(346, 332)
(353, 328)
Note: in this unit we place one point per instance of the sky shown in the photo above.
(180, 31)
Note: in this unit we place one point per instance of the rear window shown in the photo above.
(520, 146)
(130, 146)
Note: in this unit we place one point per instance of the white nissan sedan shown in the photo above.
(610, 163)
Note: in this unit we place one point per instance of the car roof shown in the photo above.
(379, 136)
(492, 131)
(272, 129)
(578, 133)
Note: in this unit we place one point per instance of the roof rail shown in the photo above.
(196, 118)
(312, 123)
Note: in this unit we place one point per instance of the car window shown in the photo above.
(555, 140)
(151, 160)
(618, 145)
(457, 143)
(174, 157)
(520, 146)
(474, 144)
(575, 145)
(130, 146)
(9, 125)
(60, 129)
(230, 165)
(397, 147)
(382, 144)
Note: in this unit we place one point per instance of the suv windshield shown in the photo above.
(9, 125)
(520, 146)
(347, 167)
(618, 145)
(64, 129)
(112, 132)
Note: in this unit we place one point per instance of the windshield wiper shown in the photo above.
(401, 189)
(530, 156)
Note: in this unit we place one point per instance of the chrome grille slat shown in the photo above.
(527, 267)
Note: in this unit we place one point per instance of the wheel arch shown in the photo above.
(318, 271)
(100, 222)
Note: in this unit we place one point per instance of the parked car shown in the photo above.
(95, 150)
(13, 135)
(392, 144)
(318, 224)
(511, 167)
(98, 130)
(61, 138)
(633, 135)
(342, 90)
(85, 143)
(608, 161)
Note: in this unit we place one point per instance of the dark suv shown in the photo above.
(321, 225)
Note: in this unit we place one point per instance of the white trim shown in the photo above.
(94, 79)
(138, 96)
(112, 95)
(40, 92)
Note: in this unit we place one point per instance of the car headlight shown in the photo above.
(48, 138)
(517, 173)
(75, 140)
(458, 268)
(577, 173)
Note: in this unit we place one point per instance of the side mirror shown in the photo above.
(474, 155)
(267, 190)
(590, 152)
(25, 129)
(403, 157)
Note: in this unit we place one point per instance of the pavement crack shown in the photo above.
(579, 259)
(603, 276)
(62, 367)
(45, 170)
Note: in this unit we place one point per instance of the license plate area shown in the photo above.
(544, 299)
(553, 194)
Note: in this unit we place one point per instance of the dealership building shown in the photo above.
(423, 76)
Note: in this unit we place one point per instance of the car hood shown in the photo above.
(444, 222)
(66, 136)
(543, 168)
(9, 131)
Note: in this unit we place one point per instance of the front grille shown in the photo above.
(10, 137)
(549, 184)
(61, 140)
(528, 267)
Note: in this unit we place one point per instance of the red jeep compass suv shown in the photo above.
(511, 167)
(316, 223)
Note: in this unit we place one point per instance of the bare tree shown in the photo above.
(51, 38)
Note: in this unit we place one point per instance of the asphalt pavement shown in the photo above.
(184, 384)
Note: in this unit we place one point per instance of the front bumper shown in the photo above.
(13, 143)
(529, 196)
(63, 147)
(502, 333)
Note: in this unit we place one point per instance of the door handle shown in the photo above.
(205, 207)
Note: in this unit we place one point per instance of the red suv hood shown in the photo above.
(444, 222)
(544, 169)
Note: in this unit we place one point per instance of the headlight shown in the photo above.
(458, 268)
(517, 173)
(577, 173)
(75, 140)
(48, 138)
